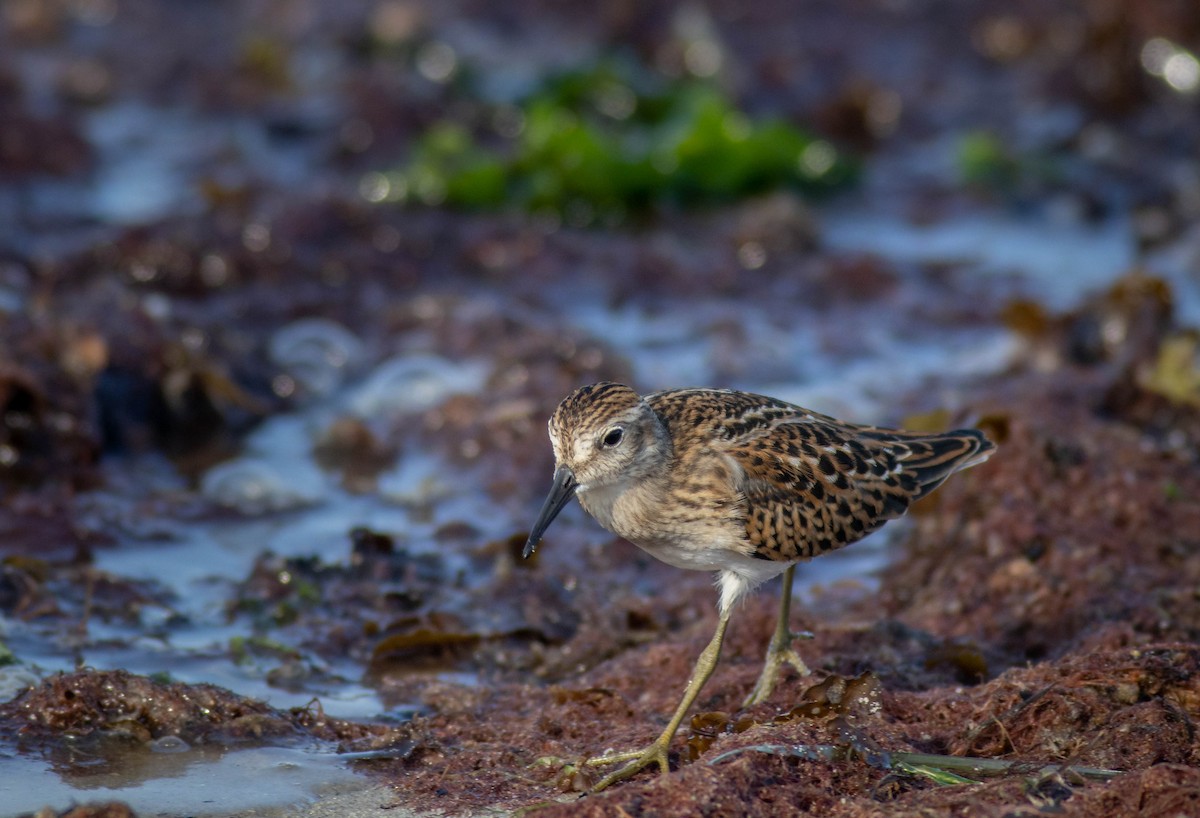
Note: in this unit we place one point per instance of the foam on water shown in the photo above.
(412, 383)
(316, 352)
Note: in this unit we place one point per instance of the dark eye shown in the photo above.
(612, 437)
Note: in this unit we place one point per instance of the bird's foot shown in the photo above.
(777, 656)
(638, 760)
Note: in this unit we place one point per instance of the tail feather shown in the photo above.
(934, 458)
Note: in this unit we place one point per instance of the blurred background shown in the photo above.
(288, 290)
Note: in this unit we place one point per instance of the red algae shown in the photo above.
(1108, 687)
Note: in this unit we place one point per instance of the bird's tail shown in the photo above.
(933, 458)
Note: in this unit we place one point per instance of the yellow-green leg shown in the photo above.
(779, 651)
(656, 752)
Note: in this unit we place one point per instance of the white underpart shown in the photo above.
(742, 575)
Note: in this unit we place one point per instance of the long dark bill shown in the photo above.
(560, 494)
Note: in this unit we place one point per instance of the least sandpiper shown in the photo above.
(736, 483)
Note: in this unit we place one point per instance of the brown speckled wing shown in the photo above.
(809, 483)
(813, 485)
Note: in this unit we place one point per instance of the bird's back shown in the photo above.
(804, 483)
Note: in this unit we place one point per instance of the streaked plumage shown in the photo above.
(704, 478)
(737, 483)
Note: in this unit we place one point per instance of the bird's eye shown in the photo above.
(612, 437)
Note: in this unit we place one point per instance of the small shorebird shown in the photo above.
(740, 484)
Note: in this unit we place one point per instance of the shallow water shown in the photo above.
(198, 781)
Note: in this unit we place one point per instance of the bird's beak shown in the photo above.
(560, 494)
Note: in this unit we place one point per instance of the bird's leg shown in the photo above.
(780, 650)
(656, 752)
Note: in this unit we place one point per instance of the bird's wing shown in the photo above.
(812, 484)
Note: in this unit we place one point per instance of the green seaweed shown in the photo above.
(243, 648)
(942, 769)
(985, 161)
(601, 142)
(988, 163)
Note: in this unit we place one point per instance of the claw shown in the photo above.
(770, 674)
(638, 761)
(656, 752)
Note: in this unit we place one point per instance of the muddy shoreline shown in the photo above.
(273, 400)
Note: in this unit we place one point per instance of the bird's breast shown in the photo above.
(692, 537)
